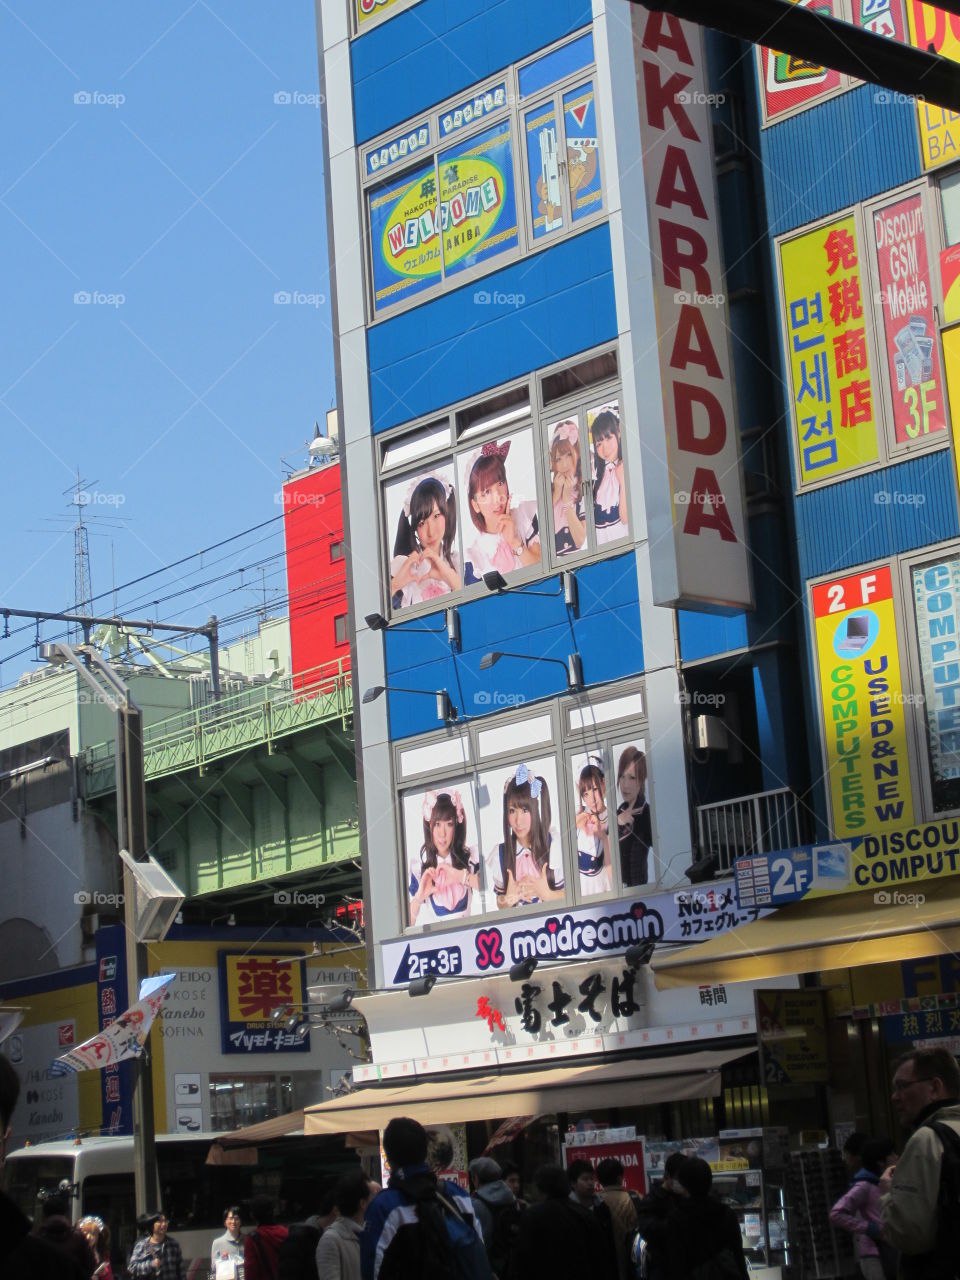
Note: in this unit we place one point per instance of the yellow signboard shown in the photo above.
(825, 313)
(368, 10)
(862, 703)
(933, 30)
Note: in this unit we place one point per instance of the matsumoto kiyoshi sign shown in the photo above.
(888, 860)
(579, 934)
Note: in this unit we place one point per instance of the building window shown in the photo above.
(340, 629)
(528, 824)
(236, 1101)
(336, 551)
(502, 484)
(443, 192)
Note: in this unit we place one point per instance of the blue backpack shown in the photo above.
(442, 1245)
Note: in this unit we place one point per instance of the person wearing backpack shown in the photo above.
(338, 1253)
(420, 1227)
(920, 1209)
(699, 1238)
(261, 1248)
(297, 1257)
(497, 1212)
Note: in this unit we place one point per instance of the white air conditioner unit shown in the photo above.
(709, 733)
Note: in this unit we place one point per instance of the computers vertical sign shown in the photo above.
(866, 766)
(705, 562)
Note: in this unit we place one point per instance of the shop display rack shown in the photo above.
(815, 1181)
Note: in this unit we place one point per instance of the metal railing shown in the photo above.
(759, 823)
(257, 715)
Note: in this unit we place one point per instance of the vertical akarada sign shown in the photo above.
(705, 562)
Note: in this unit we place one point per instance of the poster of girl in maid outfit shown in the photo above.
(609, 486)
(501, 527)
(443, 868)
(425, 563)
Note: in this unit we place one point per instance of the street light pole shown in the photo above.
(131, 835)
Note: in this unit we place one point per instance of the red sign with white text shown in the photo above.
(909, 323)
(788, 81)
(628, 1152)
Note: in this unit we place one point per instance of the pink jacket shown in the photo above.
(859, 1210)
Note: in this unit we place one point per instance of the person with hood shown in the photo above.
(338, 1253)
(497, 1211)
(23, 1256)
(858, 1211)
(696, 1230)
(261, 1248)
(926, 1092)
(392, 1240)
(558, 1236)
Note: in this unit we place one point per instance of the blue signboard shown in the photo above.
(403, 236)
(473, 109)
(772, 879)
(583, 151)
(478, 211)
(116, 1081)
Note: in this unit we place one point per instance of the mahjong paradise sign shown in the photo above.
(828, 353)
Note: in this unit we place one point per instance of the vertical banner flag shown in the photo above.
(909, 323)
(936, 597)
(935, 31)
(788, 81)
(124, 1037)
(695, 506)
(828, 352)
(862, 703)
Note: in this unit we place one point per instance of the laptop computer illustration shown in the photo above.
(858, 634)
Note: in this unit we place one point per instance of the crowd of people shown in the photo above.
(904, 1214)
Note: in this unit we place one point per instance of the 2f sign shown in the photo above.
(699, 496)
(788, 880)
(852, 593)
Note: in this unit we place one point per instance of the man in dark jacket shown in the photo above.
(55, 1227)
(558, 1236)
(697, 1229)
(23, 1256)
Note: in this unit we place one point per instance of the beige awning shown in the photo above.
(631, 1082)
(264, 1131)
(824, 933)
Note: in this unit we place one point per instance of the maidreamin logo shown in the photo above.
(569, 937)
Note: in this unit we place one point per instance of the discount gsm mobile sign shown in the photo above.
(862, 703)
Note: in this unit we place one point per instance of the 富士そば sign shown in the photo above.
(826, 333)
(935, 31)
(862, 702)
(909, 323)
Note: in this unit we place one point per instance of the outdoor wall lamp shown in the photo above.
(422, 986)
(573, 665)
(493, 580)
(446, 710)
(523, 969)
(640, 953)
(377, 622)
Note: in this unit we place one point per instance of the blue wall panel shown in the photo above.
(850, 148)
(606, 635)
(443, 47)
(459, 344)
(883, 513)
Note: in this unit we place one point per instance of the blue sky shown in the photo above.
(183, 188)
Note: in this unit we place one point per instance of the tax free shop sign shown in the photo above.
(893, 860)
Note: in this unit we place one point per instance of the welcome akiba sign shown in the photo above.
(705, 561)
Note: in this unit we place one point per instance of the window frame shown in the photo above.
(338, 619)
(605, 390)
(336, 551)
(513, 110)
(560, 743)
(889, 451)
